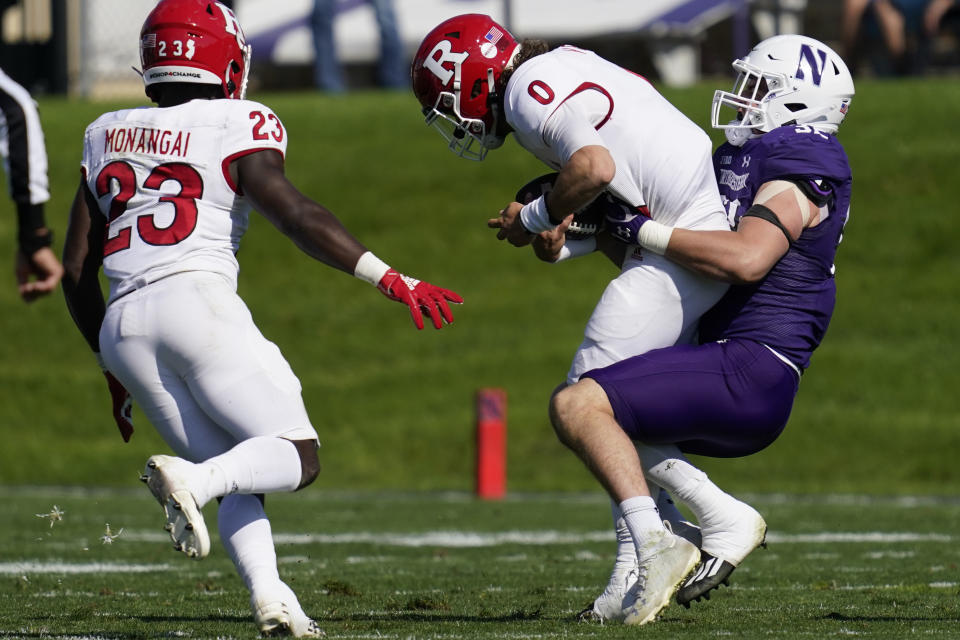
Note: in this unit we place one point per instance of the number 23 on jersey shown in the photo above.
(121, 176)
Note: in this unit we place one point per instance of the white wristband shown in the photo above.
(654, 236)
(370, 268)
(534, 216)
(576, 248)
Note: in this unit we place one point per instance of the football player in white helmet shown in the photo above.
(785, 181)
(163, 203)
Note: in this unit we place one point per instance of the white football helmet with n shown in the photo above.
(787, 79)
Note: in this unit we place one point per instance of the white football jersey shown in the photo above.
(561, 101)
(161, 177)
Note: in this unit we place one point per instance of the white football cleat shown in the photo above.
(667, 559)
(726, 542)
(277, 619)
(609, 605)
(166, 476)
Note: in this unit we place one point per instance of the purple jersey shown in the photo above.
(790, 308)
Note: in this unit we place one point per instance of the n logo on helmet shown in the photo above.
(435, 63)
(815, 66)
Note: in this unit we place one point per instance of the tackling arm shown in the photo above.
(747, 254)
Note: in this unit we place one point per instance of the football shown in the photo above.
(587, 222)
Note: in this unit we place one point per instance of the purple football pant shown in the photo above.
(720, 399)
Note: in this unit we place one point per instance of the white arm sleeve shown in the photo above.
(576, 248)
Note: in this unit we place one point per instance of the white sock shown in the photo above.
(668, 510)
(643, 520)
(246, 534)
(668, 468)
(263, 464)
(626, 551)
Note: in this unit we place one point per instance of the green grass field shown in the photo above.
(877, 413)
(422, 565)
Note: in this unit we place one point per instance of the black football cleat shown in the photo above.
(710, 574)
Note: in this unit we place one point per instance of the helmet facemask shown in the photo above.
(748, 100)
(467, 137)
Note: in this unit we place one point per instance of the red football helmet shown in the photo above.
(455, 74)
(197, 41)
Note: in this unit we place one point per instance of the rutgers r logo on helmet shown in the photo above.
(197, 41)
(437, 64)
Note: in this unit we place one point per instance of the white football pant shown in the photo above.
(653, 303)
(188, 351)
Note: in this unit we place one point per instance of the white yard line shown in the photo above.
(576, 497)
(474, 539)
(37, 566)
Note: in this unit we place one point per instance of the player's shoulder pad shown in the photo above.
(245, 107)
(802, 151)
(118, 115)
(544, 68)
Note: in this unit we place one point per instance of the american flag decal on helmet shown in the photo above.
(844, 106)
(493, 36)
(149, 41)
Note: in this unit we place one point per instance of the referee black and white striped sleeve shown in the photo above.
(25, 158)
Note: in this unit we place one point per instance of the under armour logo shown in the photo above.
(745, 162)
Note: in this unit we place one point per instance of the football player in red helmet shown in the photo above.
(163, 203)
(605, 129)
(194, 42)
(456, 77)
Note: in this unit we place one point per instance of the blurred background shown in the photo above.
(87, 47)
(396, 408)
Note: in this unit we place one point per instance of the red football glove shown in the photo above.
(419, 295)
(122, 406)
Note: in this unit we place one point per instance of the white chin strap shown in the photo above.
(737, 136)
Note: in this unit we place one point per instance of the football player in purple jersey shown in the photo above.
(785, 180)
